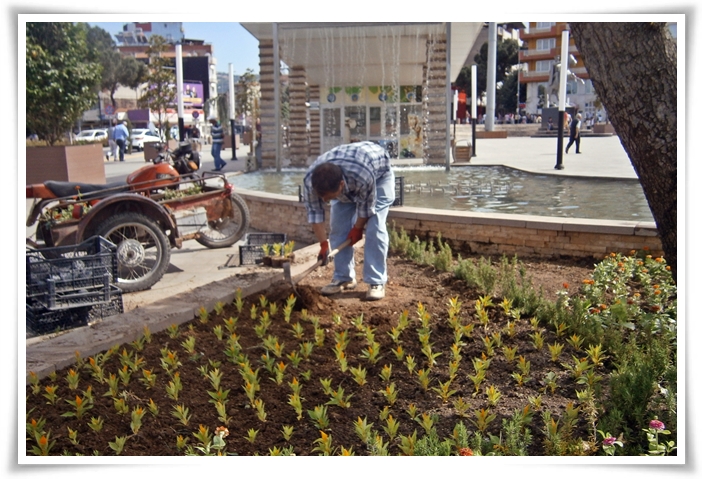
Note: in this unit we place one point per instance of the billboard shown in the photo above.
(193, 94)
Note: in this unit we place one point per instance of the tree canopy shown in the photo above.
(507, 58)
(161, 93)
(61, 78)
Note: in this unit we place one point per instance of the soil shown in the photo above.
(409, 286)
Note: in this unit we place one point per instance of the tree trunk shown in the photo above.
(633, 68)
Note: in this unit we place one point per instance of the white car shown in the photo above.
(140, 136)
(92, 135)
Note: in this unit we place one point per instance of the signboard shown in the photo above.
(109, 110)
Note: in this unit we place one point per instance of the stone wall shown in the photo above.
(480, 233)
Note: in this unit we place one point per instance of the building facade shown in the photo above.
(542, 48)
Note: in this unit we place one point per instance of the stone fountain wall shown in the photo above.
(481, 233)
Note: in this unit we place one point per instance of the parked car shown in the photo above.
(142, 135)
(92, 135)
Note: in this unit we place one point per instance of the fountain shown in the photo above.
(492, 189)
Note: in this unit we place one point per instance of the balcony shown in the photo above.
(554, 31)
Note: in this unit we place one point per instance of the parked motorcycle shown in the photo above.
(159, 206)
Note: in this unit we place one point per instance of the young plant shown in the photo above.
(80, 406)
(555, 349)
(363, 430)
(181, 413)
(390, 393)
(337, 398)
(493, 395)
(444, 390)
(319, 417)
(118, 444)
(359, 375)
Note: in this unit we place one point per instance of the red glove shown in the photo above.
(355, 235)
(323, 255)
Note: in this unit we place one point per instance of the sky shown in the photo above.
(231, 42)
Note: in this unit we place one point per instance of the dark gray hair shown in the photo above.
(326, 178)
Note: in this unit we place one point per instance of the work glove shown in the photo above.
(323, 255)
(355, 235)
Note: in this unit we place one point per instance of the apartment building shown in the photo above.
(542, 46)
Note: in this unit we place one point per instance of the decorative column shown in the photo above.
(299, 147)
(315, 123)
(436, 136)
(267, 106)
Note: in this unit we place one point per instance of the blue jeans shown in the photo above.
(216, 150)
(121, 145)
(375, 251)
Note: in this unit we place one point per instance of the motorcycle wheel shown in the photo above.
(227, 231)
(143, 252)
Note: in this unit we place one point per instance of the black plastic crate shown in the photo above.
(66, 277)
(252, 253)
(41, 320)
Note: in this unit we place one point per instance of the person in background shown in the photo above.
(111, 141)
(121, 133)
(358, 180)
(575, 125)
(217, 133)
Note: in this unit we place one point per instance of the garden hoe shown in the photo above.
(301, 276)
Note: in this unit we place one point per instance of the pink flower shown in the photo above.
(657, 425)
(609, 441)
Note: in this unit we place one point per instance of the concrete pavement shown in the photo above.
(197, 277)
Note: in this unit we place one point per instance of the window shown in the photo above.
(545, 24)
(544, 65)
(545, 44)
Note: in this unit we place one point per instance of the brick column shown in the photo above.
(315, 124)
(299, 148)
(267, 107)
(435, 135)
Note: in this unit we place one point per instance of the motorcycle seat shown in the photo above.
(72, 188)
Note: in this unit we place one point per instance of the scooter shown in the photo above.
(159, 206)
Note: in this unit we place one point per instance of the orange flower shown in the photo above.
(655, 308)
(655, 286)
(649, 256)
(465, 451)
(43, 441)
(632, 252)
(658, 291)
(667, 268)
(659, 260)
(565, 285)
(620, 264)
(603, 306)
(645, 248)
(612, 254)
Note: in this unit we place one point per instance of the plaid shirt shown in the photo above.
(362, 164)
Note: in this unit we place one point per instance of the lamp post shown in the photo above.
(563, 73)
(232, 109)
(473, 100)
(179, 90)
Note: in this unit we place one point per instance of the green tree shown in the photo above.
(161, 91)
(61, 78)
(246, 93)
(633, 67)
(116, 69)
(507, 58)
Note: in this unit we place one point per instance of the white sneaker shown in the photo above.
(375, 292)
(337, 286)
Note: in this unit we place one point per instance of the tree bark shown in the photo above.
(633, 68)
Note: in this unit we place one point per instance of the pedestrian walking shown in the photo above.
(358, 180)
(111, 141)
(121, 133)
(575, 125)
(217, 133)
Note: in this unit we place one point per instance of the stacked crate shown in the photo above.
(68, 286)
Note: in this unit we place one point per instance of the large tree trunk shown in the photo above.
(633, 67)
